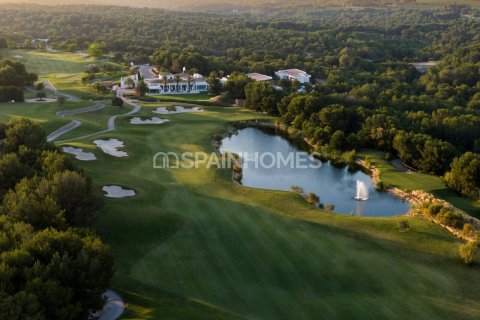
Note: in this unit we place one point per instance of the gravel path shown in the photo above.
(75, 123)
(114, 307)
(110, 123)
(69, 97)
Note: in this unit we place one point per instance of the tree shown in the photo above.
(338, 141)
(23, 134)
(215, 87)
(129, 83)
(29, 203)
(312, 198)
(141, 89)
(464, 176)
(235, 85)
(262, 96)
(40, 96)
(76, 197)
(97, 50)
(97, 86)
(61, 100)
(467, 252)
(117, 102)
(330, 207)
(40, 86)
(92, 69)
(3, 43)
(52, 274)
(177, 81)
(403, 225)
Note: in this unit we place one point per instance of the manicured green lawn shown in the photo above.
(42, 113)
(193, 245)
(419, 181)
(63, 69)
(204, 96)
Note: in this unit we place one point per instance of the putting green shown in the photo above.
(193, 245)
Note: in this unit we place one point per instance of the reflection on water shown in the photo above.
(335, 185)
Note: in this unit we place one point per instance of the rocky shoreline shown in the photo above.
(416, 198)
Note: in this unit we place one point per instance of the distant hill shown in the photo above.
(238, 5)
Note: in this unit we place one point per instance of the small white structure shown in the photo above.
(423, 67)
(259, 77)
(294, 74)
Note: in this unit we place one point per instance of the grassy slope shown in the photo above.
(192, 245)
(420, 181)
(64, 70)
(42, 113)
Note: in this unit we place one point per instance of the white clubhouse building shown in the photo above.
(294, 74)
(166, 83)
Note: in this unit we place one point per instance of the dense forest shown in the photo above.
(54, 266)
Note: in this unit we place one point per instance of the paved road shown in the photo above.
(69, 97)
(75, 123)
(111, 121)
(147, 73)
(114, 307)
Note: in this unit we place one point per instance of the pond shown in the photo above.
(266, 165)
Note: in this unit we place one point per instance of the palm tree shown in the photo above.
(129, 82)
(177, 80)
(97, 86)
(189, 83)
(165, 81)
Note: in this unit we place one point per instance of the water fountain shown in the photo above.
(362, 191)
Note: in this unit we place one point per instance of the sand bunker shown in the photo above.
(43, 100)
(178, 109)
(154, 120)
(111, 147)
(117, 192)
(80, 154)
(17, 56)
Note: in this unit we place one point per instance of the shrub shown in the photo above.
(238, 177)
(61, 100)
(312, 198)
(467, 252)
(296, 189)
(468, 230)
(117, 102)
(330, 207)
(8, 93)
(40, 95)
(432, 209)
(349, 156)
(403, 225)
(450, 217)
(380, 186)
